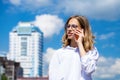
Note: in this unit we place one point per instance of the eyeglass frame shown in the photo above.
(71, 25)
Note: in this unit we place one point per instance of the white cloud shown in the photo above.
(33, 3)
(29, 5)
(3, 53)
(97, 9)
(105, 36)
(49, 24)
(48, 55)
(46, 60)
(108, 46)
(107, 68)
(15, 2)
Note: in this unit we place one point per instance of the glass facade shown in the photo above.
(23, 46)
(24, 30)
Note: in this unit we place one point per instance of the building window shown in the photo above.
(24, 38)
(23, 46)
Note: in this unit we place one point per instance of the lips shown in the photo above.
(70, 34)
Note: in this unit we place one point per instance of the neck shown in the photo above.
(73, 43)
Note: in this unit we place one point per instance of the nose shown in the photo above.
(70, 28)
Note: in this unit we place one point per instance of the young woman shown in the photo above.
(76, 60)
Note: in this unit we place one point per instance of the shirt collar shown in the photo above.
(72, 48)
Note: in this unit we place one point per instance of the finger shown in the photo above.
(79, 30)
(77, 33)
(82, 30)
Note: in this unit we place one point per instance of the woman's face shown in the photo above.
(72, 25)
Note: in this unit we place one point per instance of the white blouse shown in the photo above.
(66, 64)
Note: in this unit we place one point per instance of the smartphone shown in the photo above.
(76, 36)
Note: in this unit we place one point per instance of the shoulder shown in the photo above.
(56, 54)
(93, 49)
(59, 50)
(93, 52)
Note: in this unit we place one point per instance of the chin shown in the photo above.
(70, 37)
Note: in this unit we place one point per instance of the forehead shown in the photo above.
(73, 21)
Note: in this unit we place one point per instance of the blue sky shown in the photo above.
(50, 16)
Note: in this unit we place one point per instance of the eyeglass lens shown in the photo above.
(72, 25)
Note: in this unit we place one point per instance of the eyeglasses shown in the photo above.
(71, 25)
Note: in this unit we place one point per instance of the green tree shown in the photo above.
(3, 77)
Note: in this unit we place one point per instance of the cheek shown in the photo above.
(67, 31)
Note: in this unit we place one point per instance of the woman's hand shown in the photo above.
(79, 34)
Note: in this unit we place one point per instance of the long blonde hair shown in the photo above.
(88, 39)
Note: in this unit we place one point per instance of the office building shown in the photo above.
(26, 46)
